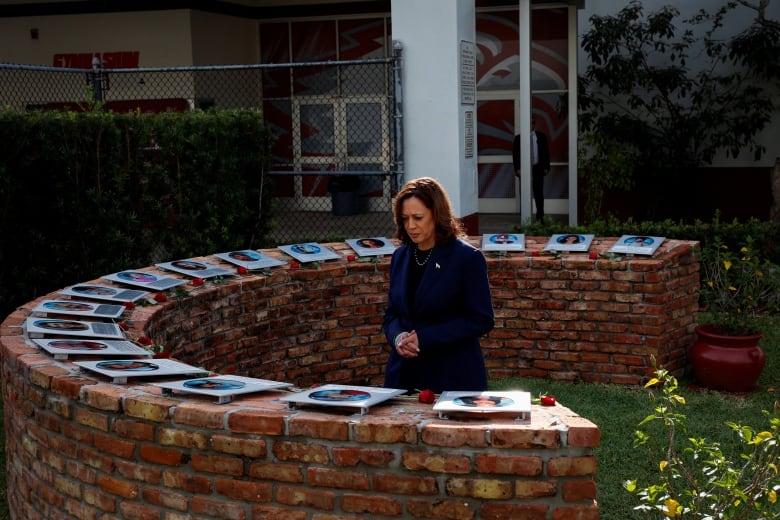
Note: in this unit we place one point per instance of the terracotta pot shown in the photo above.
(730, 363)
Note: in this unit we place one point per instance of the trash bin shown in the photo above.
(344, 194)
(344, 203)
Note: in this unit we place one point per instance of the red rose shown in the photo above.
(241, 269)
(593, 255)
(427, 396)
(129, 305)
(294, 265)
(160, 297)
(123, 325)
(351, 258)
(197, 282)
(145, 341)
(535, 253)
(547, 400)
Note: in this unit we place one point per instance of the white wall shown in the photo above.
(738, 19)
(431, 33)
(162, 38)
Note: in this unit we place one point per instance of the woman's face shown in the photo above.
(418, 223)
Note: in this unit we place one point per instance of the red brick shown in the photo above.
(503, 511)
(140, 472)
(118, 487)
(166, 499)
(353, 456)
(405, 485)
(292, 473)
(256, 422)
(577, 490)
(280, 513)
(325, 477)
(243, 490)
(204, 506)
(318, 427)
(186, 481)
(571, 466)
(371, 505)
(301, 452)
(135, 430)
(526, 466)
(301, 496)
(583, 512)
(217, 464)
(166, 457)
(451, 464)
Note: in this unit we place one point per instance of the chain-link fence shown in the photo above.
(335, 160)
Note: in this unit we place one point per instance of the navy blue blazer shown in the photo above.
(452, 309)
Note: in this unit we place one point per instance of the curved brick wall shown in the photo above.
(79, 447)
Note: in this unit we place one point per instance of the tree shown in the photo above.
(674, 98)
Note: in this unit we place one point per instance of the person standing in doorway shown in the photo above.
(439, 303)
(540, 165)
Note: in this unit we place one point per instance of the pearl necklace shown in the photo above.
(427, 257)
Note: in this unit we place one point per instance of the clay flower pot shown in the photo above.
(723, 362)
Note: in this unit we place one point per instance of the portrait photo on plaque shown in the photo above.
(36, 327)
(104, 292)
(569, 242)
(513, 403)
(360, 397)
(79, 308)
(144, 279)
(637, 244)
(63, 348)
(503, 242)
(309, 252)
(373, 246)
(222, 387)
(195, 268)
(121, 369)
(251, 260)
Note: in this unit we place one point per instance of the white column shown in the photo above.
(524, 30)
(439, 95)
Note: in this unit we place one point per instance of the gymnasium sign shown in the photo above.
(108, 60)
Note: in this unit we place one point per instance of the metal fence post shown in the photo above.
(398, 113)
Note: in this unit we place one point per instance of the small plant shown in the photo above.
(700, 481)
(738, 287)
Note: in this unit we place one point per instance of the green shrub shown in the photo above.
(696, 477)
(86, 194)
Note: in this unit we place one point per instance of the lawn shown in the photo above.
(617, 410)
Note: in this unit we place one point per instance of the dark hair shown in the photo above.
(433, 196)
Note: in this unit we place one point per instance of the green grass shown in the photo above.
(617, 410)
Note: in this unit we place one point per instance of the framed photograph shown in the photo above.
(144, 279)
(63, 348)
(195, 268)
(79, 308)
(637, 245)
(309, 252)
(503, 242)
(569, 242)
(37, 327)
(345, 396)
(104, 292)
(374, 246)
(224, 388)
(250, 259)
(119, 370)
(512, 403)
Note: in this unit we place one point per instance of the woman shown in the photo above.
(439, 302)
